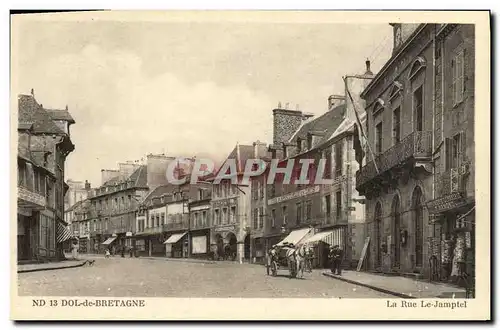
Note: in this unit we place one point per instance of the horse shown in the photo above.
(296, 260)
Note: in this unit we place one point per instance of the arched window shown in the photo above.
(396, 228)
(418, 222)
(378, 234)
(417, 65)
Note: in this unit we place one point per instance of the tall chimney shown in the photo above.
(87, 185)
(368, 71)
(335, 100)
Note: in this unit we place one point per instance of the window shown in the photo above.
(255, 218)
(338, 159)
(261, 190)
(232, 214)
(162, 219)
(455, 149)
(327, 201)
(378, 138)
(338, 201)
(152, 220)
(308, 210)
(254, 190)
(157, 220)
(328, 163)
(272, 190)
(396, 125)
(261, 217)
(284, 211)
(217, 217)
(418, 111)
(458, 85)
(196, 220)
(204, 219)
(200, 194)
(299, 212)
(224, 215)
(273, 218)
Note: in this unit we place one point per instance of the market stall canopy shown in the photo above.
(174, 238)
(296, 236)
(109, 241)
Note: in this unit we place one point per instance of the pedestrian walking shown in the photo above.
(106, 254)
(336, 260)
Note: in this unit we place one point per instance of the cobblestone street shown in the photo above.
(117, 277)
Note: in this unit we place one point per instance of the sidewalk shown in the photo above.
(399, 286)
(50, 266)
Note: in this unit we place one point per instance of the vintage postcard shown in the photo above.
(258, 165)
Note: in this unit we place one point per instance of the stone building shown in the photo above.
(452, 206)
(200, 221)
(411, 124)
(114, 205)
(230, 204)
(43, 144)
(78, 191)
(320, 215)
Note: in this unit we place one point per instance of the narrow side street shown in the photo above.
(118, 277)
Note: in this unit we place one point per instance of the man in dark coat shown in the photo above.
(336, 257)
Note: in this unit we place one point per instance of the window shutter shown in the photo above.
(463, 147)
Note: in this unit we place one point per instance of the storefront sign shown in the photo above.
(446, 203)
(297, 194)
(224, 202)
(225, 228)
(128, 233)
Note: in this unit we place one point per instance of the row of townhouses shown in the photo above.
(397, 147)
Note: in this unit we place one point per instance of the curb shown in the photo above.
(181, 260)
(394, 293)
(51, 268)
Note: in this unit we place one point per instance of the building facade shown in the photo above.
(321, 215)
(200, 222)
(77, 191)
(43, 145)
(231, 210)
(451, 210)
(114, 205)
(416, 106)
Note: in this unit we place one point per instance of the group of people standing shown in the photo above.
(335, 257)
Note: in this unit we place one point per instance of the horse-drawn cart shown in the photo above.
(286, 257)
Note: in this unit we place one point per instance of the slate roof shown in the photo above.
(327, 123)
(160, 190)
(56, 114)
(29, 111)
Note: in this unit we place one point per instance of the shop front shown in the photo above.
(200, 243)
(225, 243)
(452, 244)
(177, 245)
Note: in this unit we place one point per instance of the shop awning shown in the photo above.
(296, 236)
(109, 240)
(63, 233)
(174, 238)
(320, 237)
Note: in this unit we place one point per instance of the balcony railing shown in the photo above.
(416, 145)
(452, 180)
(152, 230)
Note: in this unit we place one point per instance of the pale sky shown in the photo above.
(184, 88)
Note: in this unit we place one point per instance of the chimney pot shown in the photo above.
(32, 92)
(368, 70)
